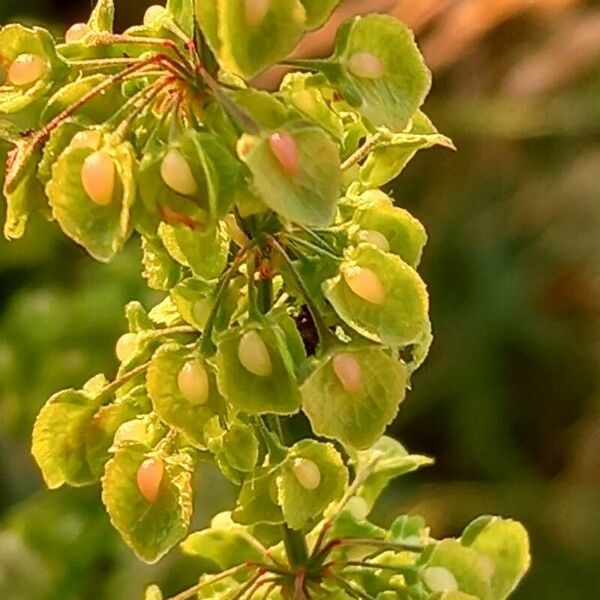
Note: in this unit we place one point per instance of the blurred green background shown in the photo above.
(509, 401)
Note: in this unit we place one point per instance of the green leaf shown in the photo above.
(385, 460)
(57, 142)
(409, 529)
(103, 16)
(193, 299)
(318, 11)
(506, 543)
(348, 526)
(300, 505)
(310, 194)
(215, 170)
(235, 447)
(470, 572)
(207, 15)
(225, 548)
(59, 437)
(169, 402)
(452, 596)
(264, 108)
(166, 313)
(161, 271)
(153, 593)
(182, 12)
(305, 92)
(97, 110)
(355, 418)
(9, 132)
(150, 529)
(248, 41)
(255, 394)
(204, 253)
(257, 501)
(101, 430)
(391, 99)
(392, 154)
(14, 41)
(402, 316)
(22, 199)
(137, 317)
(405, 235)
(101, 230)
(281, 319)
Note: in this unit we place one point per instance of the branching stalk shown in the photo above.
(190, 592)
(362, 152)
(325, 335)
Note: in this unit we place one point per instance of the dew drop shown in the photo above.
(307, 473)
(90, 138)
(126, 346)
(347, 370)
(176, 173)
(365, 284)
(98, 177)
(371, 236)
(358, 507)
(153, 14)
(130, 431)
(366, 65)
(149, 478)
(256, 11)
(76, 32)
(192, 382)
(26, 69)
(439, 579)
(285, 149)
(254, 354)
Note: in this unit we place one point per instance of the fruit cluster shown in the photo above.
(293, 314)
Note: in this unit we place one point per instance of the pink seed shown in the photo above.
(26, 69)
(98, 177)
(149, 478)
(76, 32)
(285, 149)
(347, 370)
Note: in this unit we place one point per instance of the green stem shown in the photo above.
(264, 298)
(399, 547)
(373, 565)
(295, 547)
(316, 237)
(243, 118)
(247, 586)
(189, 593)
(165, 44)
(135, 105)
(362, 152)
(313, 247)
(112, 387)
(73, 108)
(208, 348)
(325, 336)
(102, 63)
(305, 63)
(350, 589)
